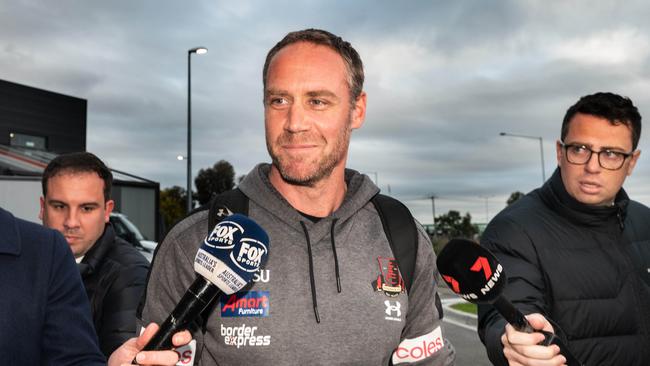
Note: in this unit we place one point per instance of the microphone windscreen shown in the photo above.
(233, 252)
(471, 271)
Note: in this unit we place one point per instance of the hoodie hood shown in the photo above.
(259, 189)
(360, 191)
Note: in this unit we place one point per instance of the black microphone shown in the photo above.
(225, 262)
(475, 274)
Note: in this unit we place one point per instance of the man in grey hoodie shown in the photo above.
(317, 300)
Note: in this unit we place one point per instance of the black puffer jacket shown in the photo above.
(114, 275)
(584, 268)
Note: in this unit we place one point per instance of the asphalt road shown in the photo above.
(460, 330)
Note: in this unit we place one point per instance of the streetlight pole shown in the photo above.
(541, 148)
(198, 51)
(433, 209)
(487, 215)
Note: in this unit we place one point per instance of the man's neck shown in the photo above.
(319, 200)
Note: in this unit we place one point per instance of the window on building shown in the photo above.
(25, 140)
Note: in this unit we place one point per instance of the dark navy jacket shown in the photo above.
(44, 311)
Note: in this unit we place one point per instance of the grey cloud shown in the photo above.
(443, 78)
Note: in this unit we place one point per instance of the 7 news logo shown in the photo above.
(480, 265)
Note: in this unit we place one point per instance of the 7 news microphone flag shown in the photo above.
(475, 274)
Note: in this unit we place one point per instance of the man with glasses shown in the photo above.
(577, 250)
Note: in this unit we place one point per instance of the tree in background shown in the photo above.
(215, 180)
(173, 205)
(514, 196)
(453, 225)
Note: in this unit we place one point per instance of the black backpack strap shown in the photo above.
(224, 204)
(402, 234)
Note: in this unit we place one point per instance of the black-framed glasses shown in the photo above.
(608, 159)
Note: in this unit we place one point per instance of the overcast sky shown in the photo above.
(443, 79)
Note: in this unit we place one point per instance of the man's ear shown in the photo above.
(558, 151)
(359, 111)
(633, 159)
(110, 204)
(40, 212)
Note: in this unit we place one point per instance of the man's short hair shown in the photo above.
(78, 162)
(612, 107)
(320, 37)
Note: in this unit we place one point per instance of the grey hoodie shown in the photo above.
(274, 321)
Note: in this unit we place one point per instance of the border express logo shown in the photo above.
(247, 304)
(389, 280)
(243, 336)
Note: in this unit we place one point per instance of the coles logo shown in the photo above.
(248, 256)
(223, 235)
(420, 348)
(251, 303)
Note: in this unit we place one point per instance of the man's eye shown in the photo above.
(578, 149)
(278, 101)
(318, 102)
(612, 154)
(57, 206)
(87, 208)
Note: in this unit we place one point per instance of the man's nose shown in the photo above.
(593, 165)
(71, 220)
(297, 118)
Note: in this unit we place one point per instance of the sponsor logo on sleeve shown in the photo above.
(420, 348)
(244, 336)
(389, 281)
(247, 304)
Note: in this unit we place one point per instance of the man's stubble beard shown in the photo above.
(324, 164)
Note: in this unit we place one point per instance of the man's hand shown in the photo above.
(131, 349)
(523, 349)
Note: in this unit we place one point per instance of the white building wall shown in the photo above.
(20, 196)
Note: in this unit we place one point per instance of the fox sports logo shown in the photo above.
(249, 254)
(225, 235)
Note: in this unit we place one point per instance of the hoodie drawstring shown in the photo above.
(336, 259)
(312, 281)
(311, 273)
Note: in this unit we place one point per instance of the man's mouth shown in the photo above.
(589, 187)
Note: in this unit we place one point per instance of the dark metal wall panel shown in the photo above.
(61, 119)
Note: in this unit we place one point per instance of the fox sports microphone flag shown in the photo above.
(232, 253)
(226, 262)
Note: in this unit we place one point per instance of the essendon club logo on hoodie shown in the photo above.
(389, 280)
